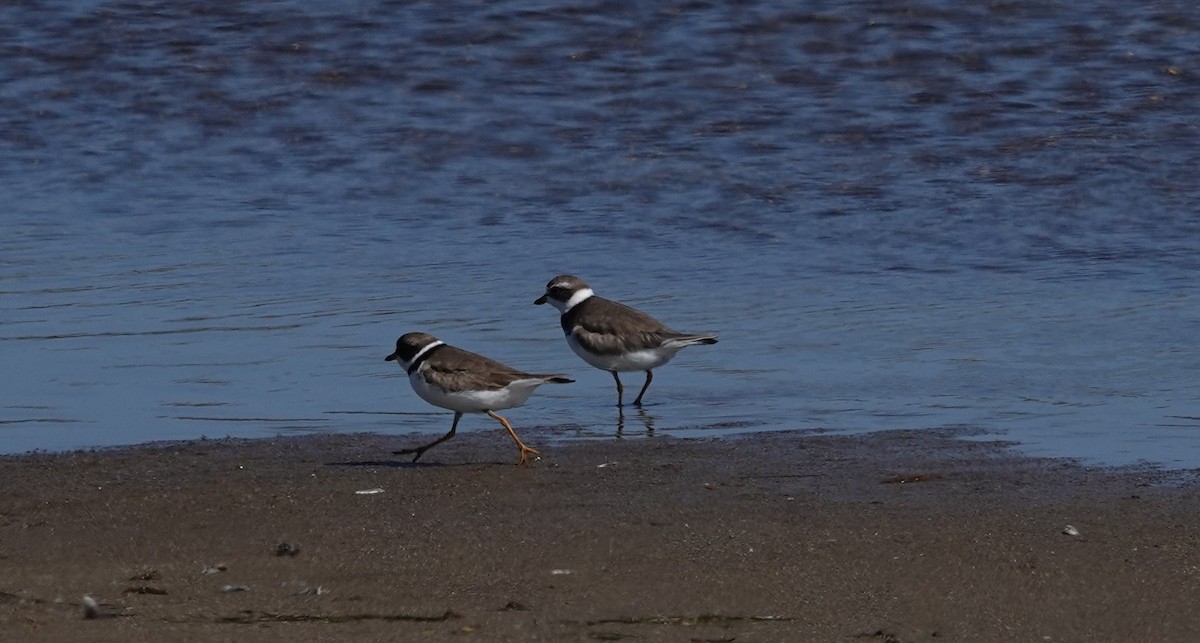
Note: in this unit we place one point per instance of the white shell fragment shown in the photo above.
(1070, 531)
(368, 492)
(91, 609)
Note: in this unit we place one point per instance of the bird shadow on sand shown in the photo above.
(389, 464)
(409, 464)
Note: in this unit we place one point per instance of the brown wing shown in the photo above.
(607, 327)
(458, 370)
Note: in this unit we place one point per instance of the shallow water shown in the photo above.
(219, 216)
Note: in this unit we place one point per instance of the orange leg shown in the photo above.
(520, 445)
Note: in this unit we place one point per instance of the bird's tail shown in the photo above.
(688, 339)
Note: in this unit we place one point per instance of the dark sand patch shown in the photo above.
(898, 536)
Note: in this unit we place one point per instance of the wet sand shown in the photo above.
(896, 536)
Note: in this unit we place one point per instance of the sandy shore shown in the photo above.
(900, 536)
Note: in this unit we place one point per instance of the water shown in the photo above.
(219, 216)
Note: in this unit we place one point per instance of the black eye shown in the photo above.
(558, 292)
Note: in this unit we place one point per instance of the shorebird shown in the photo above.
(464, 382)
(612, 336)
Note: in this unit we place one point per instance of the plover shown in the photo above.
(464, 382)
(612, 336)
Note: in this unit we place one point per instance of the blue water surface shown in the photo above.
(219, 216)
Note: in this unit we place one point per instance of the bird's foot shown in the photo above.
(524, 452)
(417, 452)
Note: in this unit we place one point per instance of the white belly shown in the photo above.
(514, 394)
(642, 360)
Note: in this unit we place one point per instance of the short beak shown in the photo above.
(540, 300)
(390, 358)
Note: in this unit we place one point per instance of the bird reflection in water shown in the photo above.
(640, 416)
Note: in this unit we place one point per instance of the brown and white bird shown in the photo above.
(464, 382)
(612, 336)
